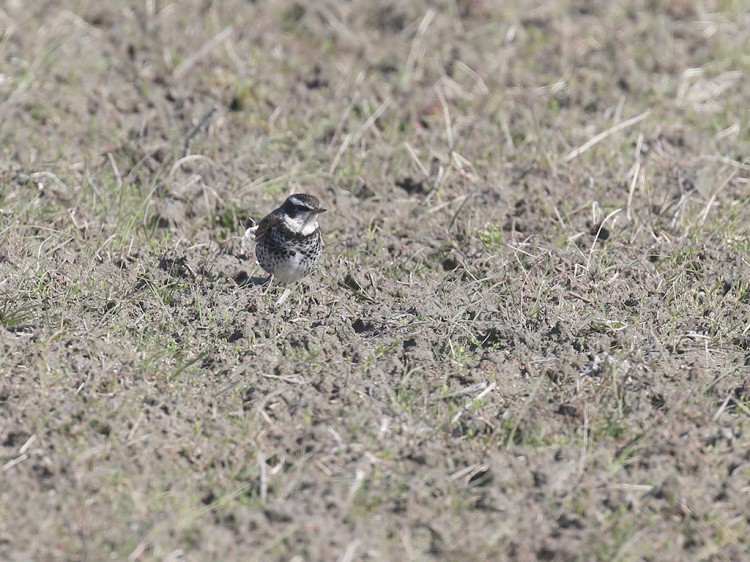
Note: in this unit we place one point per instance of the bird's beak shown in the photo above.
(318, 210)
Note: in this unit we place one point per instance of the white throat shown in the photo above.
(298, 225)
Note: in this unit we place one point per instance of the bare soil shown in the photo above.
(528, 338)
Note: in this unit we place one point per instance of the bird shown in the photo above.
(288, 243)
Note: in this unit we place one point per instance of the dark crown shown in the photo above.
(302, 202)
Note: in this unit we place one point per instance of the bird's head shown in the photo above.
(300, 213)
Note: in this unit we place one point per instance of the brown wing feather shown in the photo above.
(265, 225)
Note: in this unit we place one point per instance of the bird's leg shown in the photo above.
(268, 284)
(283, 297)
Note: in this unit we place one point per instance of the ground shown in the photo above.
(529, 337)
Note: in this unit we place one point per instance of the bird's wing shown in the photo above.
(264, 226)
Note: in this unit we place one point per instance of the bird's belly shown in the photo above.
(291, 268)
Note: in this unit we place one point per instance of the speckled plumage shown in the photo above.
(288, 243)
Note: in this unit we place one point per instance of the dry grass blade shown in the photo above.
(573, 154)
(201, 53)
(471, 402)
